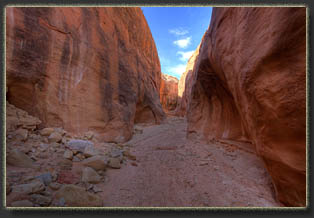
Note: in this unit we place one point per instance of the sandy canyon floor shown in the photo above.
(172, 171)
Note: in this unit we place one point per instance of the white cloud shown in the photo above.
(176, 70)
(183, 43)
(179, 31)
(185, 55)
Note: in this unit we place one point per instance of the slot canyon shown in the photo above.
(93, 121)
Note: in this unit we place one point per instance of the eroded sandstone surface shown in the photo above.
(168, 92)
(250, 84)
(185, 85)
(83, 69)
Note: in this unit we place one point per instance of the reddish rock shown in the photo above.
(185, 85)
(168, 92)
(250, 83)
(67, 177)
(83, 69)
(17, 118)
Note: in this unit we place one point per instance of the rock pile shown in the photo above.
(49, 167)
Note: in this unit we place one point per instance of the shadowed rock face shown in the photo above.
(250, 83)
(84, 68)
(185, 85)
(168, 92)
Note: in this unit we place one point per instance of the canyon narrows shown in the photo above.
(91, 121)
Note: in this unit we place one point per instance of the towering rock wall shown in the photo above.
(250, 83)
(83, 68)
(168, 92)
(185, 85)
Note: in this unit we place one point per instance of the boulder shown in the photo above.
(55, 137)
(46, 131)
(45, 178)
(90, 175)
(79, 145)
(90, 151)
(97, 162)
(41, 200)
(65, 164)
(114, 163)
(29, 188)
(21, 134)
(67, 177)
(19, 159)
(55, 185)
(18, 118)
(75, 196)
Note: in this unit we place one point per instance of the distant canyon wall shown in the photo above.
(168, 92)
(83, 68)
(249, 83)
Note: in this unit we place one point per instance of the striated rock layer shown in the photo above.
(250, 83)
(168, 92)
(83, 68)
(185, 85)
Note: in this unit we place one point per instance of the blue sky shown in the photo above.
(177, 32)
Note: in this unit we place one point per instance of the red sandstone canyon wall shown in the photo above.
(168, 92)
(185, 85)
(250, 83)
(83, 68)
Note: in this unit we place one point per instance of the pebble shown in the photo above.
(55, 186)
(68, 155)
(41, 199)
(114, 163)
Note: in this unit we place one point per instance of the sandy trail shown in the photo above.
(173, 171)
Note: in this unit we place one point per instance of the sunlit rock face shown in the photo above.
(168, 92)
(185, 85)
(83, 68)
(250, 84)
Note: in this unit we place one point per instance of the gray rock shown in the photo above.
(61, 202)
(41, 200)
(55, 186)
(45, 178)
(90, 151)
(34, 187)
(79, 145)
(116, 153)
(76, 159)
(61, 131)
